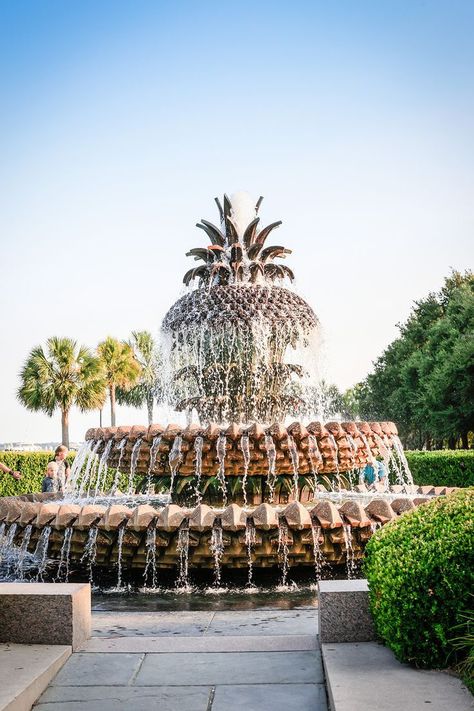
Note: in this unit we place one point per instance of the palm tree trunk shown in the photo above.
(149, 405)
(65, 427)
(112, 404)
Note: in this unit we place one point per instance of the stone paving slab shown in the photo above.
(98, 669)
(367, 674)
(273, 643)
(270, 697)
(211, 669)
(25, 672)
(264, 622)
(116, 698)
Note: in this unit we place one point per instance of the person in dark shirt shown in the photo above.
(64, 469)
(49, 481)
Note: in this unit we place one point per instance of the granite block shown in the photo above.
(343, 611)
(45, 613)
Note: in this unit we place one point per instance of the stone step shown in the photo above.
(25, 672)
(367, 675)
(264, 643)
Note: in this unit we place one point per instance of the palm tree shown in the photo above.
(63, 376)
(121, 368)
(148, 387)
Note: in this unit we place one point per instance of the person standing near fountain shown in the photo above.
(64, 470)
(50, 478)
(7, 470)
(374, 473)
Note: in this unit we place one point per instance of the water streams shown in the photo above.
(318, 555)
(65, 553)
(150, 546)
(198, 442)
(41, 552)
(121, 532)
(350, 560)
(182, 548)
(283, 549)
(217, 549)
(221, 450)
(90, 551)
(295, 460)
(133, 466)
(271, 457)
(155, 446)
(174, 459)
(245, 448)
(250, 538)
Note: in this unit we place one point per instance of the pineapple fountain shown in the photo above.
(242, 488)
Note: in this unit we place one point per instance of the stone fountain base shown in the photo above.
(312, 535)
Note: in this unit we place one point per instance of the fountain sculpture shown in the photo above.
(242, 488)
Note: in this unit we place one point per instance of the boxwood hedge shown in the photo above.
(420, 570)
(442, 468)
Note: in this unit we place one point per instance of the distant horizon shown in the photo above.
(122, 122)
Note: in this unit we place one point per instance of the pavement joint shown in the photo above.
(134, 676)
(212, 694)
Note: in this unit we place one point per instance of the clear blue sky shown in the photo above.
(120, 122)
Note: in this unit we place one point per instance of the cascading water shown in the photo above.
(198, 443)
(295, 464)
(245, 448)
(41, 552)
(350, 561)
(155, 446)
(150, 546)
(283, 549)
(221, 453)
(217, 549)
(133, 466)
(23, 552)
(65, 553)
(102, 470)
(90, 551)
(174, 459)
(121, 532)
(271, 457)
(318, 555)
(250, 538)
(121, 447)
(315, 459)
(182, 548)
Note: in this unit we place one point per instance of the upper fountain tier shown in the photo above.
(229, 337)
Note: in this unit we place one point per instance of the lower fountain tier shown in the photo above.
(326, 530)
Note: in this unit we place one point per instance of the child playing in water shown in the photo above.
(50, 478)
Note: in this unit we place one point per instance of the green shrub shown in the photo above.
(420, 570)
(32, 466)
(446, 467)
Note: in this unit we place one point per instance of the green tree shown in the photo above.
(120, 366)
(62, 376)
(424, 380)
(148, 388)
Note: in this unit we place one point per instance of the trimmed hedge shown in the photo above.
(420, 570)
(445, 467)
(440, 468)
(32, 466)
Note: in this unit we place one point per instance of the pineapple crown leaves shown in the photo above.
(230, 259)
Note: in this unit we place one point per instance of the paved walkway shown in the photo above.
(260, 660)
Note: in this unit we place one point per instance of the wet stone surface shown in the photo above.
(260, 660)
